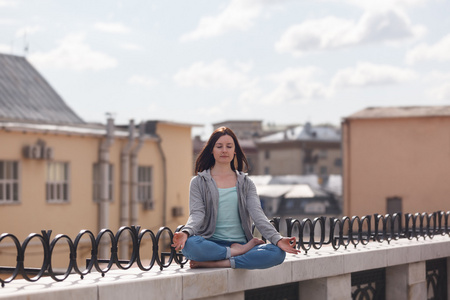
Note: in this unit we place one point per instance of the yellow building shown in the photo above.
(396, 159)
(58, 172)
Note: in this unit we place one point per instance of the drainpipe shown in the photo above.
(125, 178)
(346, 201)
(104, 175)
(134, 176)
(164, 165)
(124, 188)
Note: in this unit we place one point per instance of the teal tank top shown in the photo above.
(228, 225)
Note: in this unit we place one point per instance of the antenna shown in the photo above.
(25, 43)
(110, 115)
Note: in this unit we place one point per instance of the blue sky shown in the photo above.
(206, 61)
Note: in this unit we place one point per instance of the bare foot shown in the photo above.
(194, 264)
(210, 264)
(238, 249)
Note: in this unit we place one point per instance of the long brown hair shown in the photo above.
(205, 159)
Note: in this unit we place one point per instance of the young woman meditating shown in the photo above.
(222, 205)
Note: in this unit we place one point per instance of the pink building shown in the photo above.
(396, 159)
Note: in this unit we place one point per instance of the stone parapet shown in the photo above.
(321, 274)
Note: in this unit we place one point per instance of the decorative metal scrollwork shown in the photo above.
(343, 231)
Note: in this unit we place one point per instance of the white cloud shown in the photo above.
(237, 15)
(385, 4)
(218, 74)
(437, 52)
(391, 25)
(333, 33)
(295, 85)
(142, 80)
(369, 74)
(75, 54)
(111, 27)
(28, 30)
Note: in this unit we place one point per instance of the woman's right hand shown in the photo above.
(288, 245)
(179, 239)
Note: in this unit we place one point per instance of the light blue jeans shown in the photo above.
(261, 256)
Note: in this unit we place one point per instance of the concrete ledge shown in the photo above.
(185, 283)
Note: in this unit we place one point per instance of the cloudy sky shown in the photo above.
(204, 61)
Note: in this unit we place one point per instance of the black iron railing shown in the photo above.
(437, 278)
(315, 233)
(369, 284)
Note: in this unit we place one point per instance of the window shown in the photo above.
(323, 170)
(309, 169)
(9, 181)
(266, 170)
(267, 154)
(97, 179)
(393, 205)
(145, 186)
(338, 162)
(323, 153)
(57, 187)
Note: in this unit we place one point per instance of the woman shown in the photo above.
(223, 201)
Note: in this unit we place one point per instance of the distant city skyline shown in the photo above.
(200, 62)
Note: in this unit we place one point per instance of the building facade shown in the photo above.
(243, 129)
(71, 178)
(396, 159)
(60, 173)
(302, 150)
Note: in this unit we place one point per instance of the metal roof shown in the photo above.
(26, 96)
(304, 191)
(304, 133)
(401, 112)
(273, 190)
(311, 179)
(72, 129)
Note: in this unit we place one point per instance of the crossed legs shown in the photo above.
(255, 254)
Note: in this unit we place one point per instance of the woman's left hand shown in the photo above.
(288, 245)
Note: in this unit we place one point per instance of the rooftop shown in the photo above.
(26, 96)
(401, 112)
(304, 133)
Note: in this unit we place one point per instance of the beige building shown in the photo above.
(51, 177)
(396, 159)
(301, 150)
(243, 129)
(59, 173)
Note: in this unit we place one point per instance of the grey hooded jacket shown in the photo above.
(204, 202)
